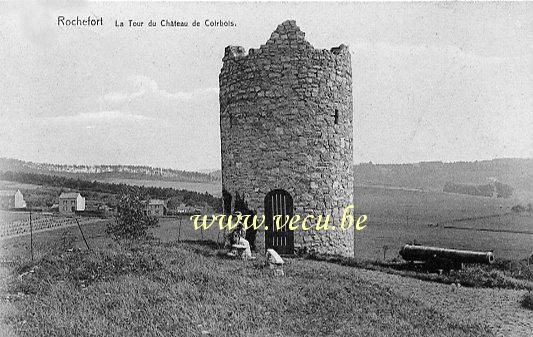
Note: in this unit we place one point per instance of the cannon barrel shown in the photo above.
(426, 253)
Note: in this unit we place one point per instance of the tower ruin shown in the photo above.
(287, 138)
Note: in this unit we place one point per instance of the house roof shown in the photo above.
(7, 193)
(156, 202)
(69, 195)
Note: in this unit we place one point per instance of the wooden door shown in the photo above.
(279, 202)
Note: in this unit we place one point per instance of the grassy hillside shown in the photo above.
(157, 289)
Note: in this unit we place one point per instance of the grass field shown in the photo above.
(187, 288)
(398, 216)
(164, 289)
(181, 228)
(401, 216)
(397, 204)
(17, 249)
(11, 185)
(180, 284)
(7, 217)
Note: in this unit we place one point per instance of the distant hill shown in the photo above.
(99, 172)
(216, 174)
(518, 173)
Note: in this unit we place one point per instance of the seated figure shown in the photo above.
(239, 246)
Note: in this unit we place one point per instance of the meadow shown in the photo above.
(181, 228)
(11, 185)
(7, 217)
(16, 250)
(399, 216)
(185, 289)
(181, 283)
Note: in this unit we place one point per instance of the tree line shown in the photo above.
(89, 172)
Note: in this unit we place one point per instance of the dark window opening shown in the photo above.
(336, 116)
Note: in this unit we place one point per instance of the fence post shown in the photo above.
(82, 235)
(31, 238)
(179, 231)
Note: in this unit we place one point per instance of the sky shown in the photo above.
(431, 81)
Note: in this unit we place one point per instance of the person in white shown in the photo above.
(238, 242)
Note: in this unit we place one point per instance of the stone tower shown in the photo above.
(287, 138)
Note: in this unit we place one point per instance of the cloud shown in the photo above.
(36, 18)
(97, 117)
(424, 50)
(145, 88)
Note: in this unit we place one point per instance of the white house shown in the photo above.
(184, 209)
(11, 199)
(155, 207)
(70, 202)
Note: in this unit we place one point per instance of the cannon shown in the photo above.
(452, 258)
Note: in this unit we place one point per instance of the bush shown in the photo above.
(131, 222)
(83, 268)
(502, 274)
(527, 300)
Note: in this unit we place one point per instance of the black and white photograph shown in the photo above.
(270, 168)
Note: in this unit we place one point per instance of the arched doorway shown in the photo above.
(278, 202)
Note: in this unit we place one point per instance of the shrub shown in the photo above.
(527, 300)
(131, 222)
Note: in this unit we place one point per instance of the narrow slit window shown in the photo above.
(336, 116)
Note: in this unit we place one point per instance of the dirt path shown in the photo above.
(498, 308)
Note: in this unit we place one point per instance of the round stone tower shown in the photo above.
(286, 137)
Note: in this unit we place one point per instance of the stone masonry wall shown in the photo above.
(278, 108)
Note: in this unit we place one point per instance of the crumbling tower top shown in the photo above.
(288, 38)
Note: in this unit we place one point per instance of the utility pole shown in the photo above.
(31, 237)
(385, 248)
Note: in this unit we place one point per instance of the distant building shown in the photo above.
(184, 209)
(71, 202)
(11, 199)
(155, 207)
